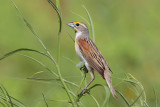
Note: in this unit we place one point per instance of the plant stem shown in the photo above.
(58, 10)
(59, 33)
(77, 97)
(65, 86)
(59, 46)
(58, 5)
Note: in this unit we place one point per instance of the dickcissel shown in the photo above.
(88, 53)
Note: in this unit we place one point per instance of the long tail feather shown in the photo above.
(107, 77)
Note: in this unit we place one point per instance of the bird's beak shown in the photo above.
(70, 24)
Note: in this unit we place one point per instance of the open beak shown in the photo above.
(70, 24)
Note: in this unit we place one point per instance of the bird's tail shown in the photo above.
(107, 77)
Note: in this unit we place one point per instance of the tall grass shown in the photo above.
(8, 101)
(74, 99)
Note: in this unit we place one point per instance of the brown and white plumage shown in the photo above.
(90, 55)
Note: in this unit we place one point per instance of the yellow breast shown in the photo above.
(75, 42)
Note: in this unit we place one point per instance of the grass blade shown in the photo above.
(91, 23)
(33, 31)
(155, 98)
(136, 99)
(58, 55)
(60, 26)
(58, 5)
(26, 49)
(43, 65)
(106, 100)
(131, 77)
(70, 35)
(2, 103)
(58, 13)
(9, 98)
(123, 97)
(29, 25)
(95, 100)
(45, 100)
(81, 17)
(42, 79)
(15, 101)
(62, 101)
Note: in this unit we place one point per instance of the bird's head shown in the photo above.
(78, 26)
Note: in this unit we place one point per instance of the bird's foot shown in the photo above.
(83, 92)
(84, 68)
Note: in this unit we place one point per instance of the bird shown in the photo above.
(89, 54)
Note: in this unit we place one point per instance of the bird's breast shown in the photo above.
(79, 54)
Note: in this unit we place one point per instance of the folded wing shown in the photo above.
(92, 55)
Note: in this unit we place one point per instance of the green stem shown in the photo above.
(77, 97)
(59, 33)
(58, 50)
(58, 5)
(65, 86)
(58, 10)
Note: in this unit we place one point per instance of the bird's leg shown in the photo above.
(93, 77)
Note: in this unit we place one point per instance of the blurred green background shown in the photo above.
(127, 33)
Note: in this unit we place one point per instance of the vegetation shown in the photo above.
(50, 86)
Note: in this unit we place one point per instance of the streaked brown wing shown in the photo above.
(92, 55)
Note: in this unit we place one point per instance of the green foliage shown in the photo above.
(70, 86)
(7, 101)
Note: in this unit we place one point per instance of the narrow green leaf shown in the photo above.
(9, 98)
(3, 101)
(70, 35)
(29, 25)
(62, 101)
(58, 54)
(14, 101)
(2, 104)
(146, 105)
(136, 99)
(69, 59)
(123, 97)
(132, 78)
(81, 17)
(94, 100)
(25, 49)
(91, 23)
(58, 13)
(43, 65)
(2, 90)
(45, 100)
(155, 97)
(60, 27)
(58, 5)
(106, 100)
(42, 79)
(33, 31)
(17, 102)
(94, 86)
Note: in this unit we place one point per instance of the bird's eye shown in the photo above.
(77, 24)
